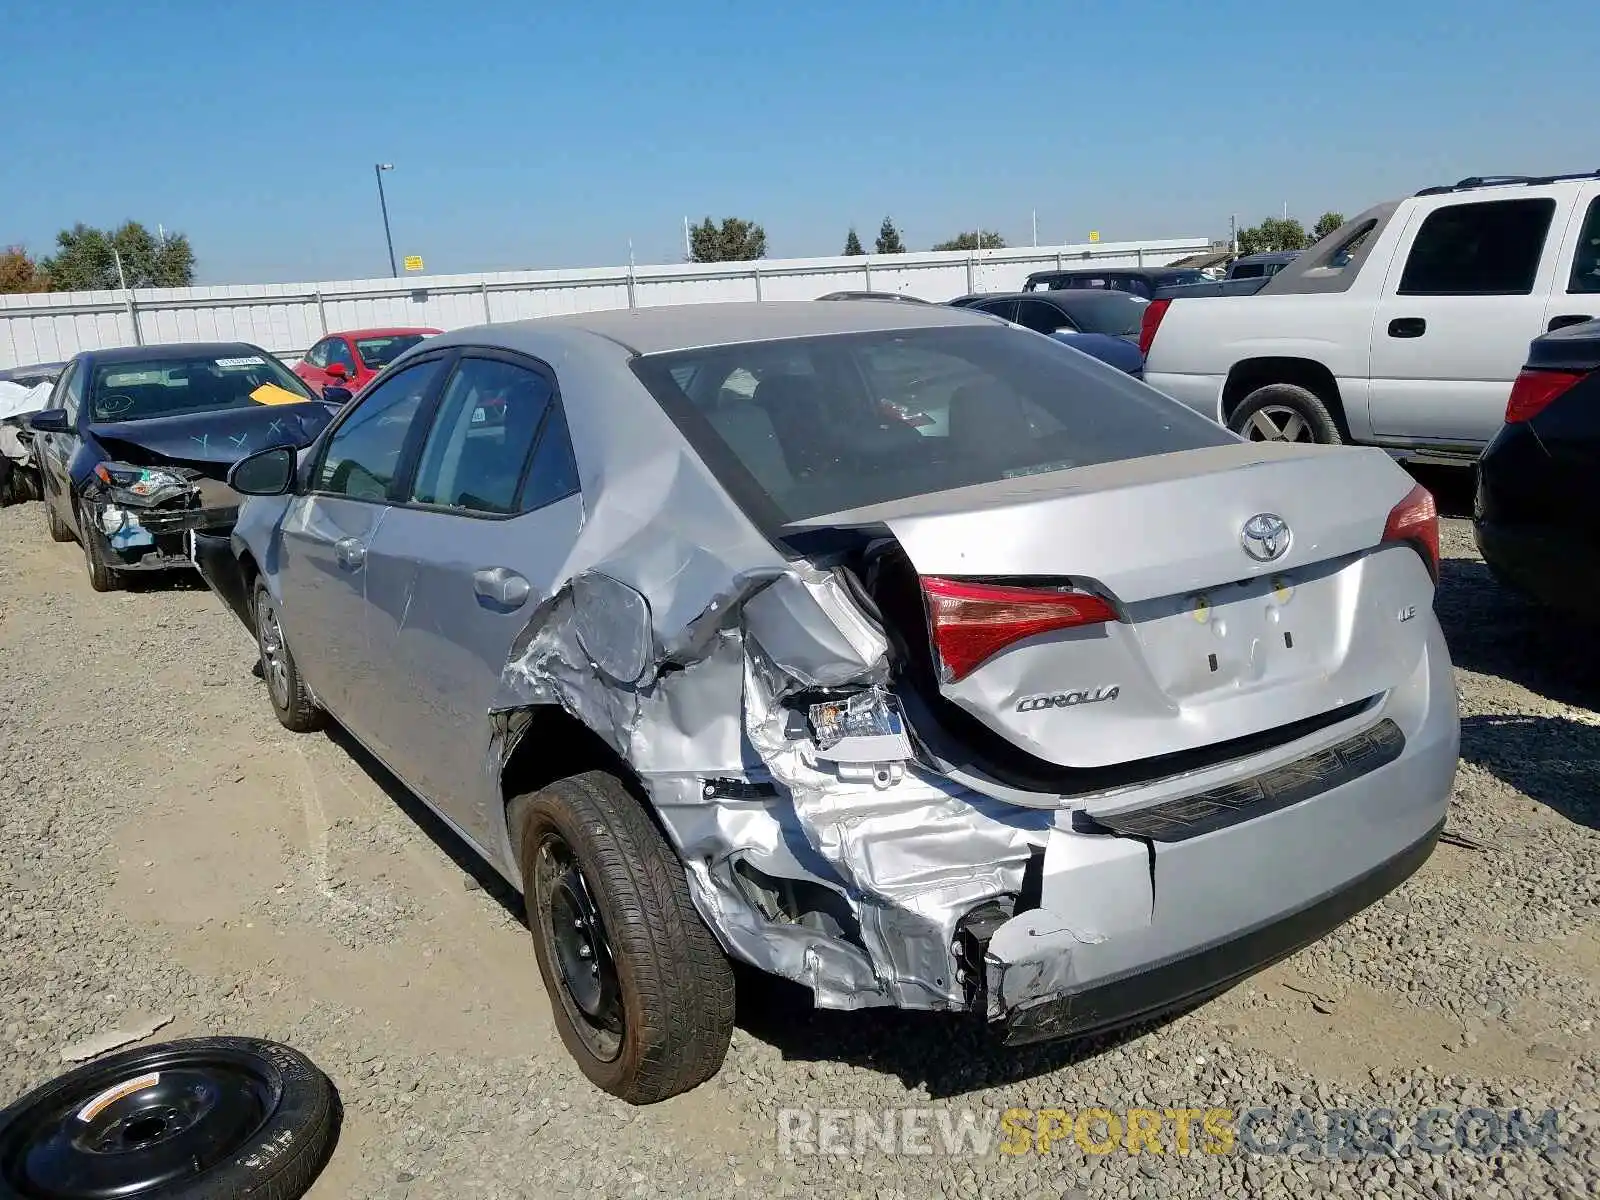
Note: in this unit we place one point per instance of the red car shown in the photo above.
(351, 359)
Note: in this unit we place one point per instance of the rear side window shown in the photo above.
(882, 416)
(1248, 271)
(1585, 276)
(1487, 249)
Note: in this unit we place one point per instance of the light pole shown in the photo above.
(378, 169)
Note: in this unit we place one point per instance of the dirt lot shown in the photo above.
(167, 850)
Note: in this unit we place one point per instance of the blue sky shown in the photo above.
(530, 135)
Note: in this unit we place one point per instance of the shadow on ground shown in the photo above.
(944, 1054)
(1552, 760)
(463, 855)
(1495, 631)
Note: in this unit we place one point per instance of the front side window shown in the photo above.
(339, 352)
(886, 415)
(478, 453)
(363, 453)
(165, 387)
(1249, 270)
(1486, 249)
(1585, 276)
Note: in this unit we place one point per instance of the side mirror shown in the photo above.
(336, 371)
(264, 473)
(51, 420)
(334, 394)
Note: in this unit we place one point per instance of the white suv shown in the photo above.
(1403, 328)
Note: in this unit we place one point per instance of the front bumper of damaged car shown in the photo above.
(144, 516)
(881, 882)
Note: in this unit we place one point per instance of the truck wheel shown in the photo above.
(291, 702)
(641, 991)
(1285, 412)
(54, 524)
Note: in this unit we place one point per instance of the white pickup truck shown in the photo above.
(1404, 328)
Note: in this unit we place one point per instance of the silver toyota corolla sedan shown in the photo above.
(894, 650)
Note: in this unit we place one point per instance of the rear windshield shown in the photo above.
(137, 391)
(1175, 278)
(808, 426)
(1116, 313)
(379, 352)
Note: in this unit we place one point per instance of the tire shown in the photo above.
(664, 1014)
(53, 524)
(1287, 408)
(102, 576)
(215, 1119)
(296, 710)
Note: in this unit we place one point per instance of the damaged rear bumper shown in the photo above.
(1160, 988)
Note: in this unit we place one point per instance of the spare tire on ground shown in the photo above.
(205, 1119)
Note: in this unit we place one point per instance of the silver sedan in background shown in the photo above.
(896, 651)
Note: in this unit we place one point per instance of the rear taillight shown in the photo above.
(1415, 520)
(972, 622)
(1533, 391)
(1151, 322)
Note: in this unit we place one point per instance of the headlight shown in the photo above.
(112, 519)
(141, 481)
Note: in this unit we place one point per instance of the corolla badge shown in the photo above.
(1265, 537)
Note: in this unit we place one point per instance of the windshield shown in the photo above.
(807, 426)
(379, 352)
(166, 387)
(1116, 313)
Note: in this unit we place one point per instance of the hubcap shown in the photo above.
(274, 656)
(576, 938)
(1278, 423)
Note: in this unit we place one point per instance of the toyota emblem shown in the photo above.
(1265, 537)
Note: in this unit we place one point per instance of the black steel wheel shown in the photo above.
(206, 1119)
(575, 933)
(641, 991)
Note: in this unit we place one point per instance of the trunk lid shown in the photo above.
(1212, 644)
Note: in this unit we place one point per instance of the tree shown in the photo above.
(19, 273)
(1275, 233)
(982, 239)
(1326, 224)
(889, 239)
(736, 240)
(86, 259)
(852, 244)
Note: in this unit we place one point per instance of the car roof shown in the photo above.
(1141, 272)
(659, 329)
(384, 331)
(1061, 296)
(1269, 256)
(130, 354)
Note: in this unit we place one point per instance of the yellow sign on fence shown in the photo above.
(413, 262)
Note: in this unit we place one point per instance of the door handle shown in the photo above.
(1566, 319)
(350, 552)
(1407, 327)
(502, 587)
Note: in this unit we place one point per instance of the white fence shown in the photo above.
(288, 318)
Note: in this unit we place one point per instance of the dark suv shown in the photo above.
(1141, 281)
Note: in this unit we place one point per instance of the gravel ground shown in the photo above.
(167, 850)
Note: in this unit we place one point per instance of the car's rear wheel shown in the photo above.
(1285, 412)
(291, 701)
(642, 993)
(103, 577)
(56, 527)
